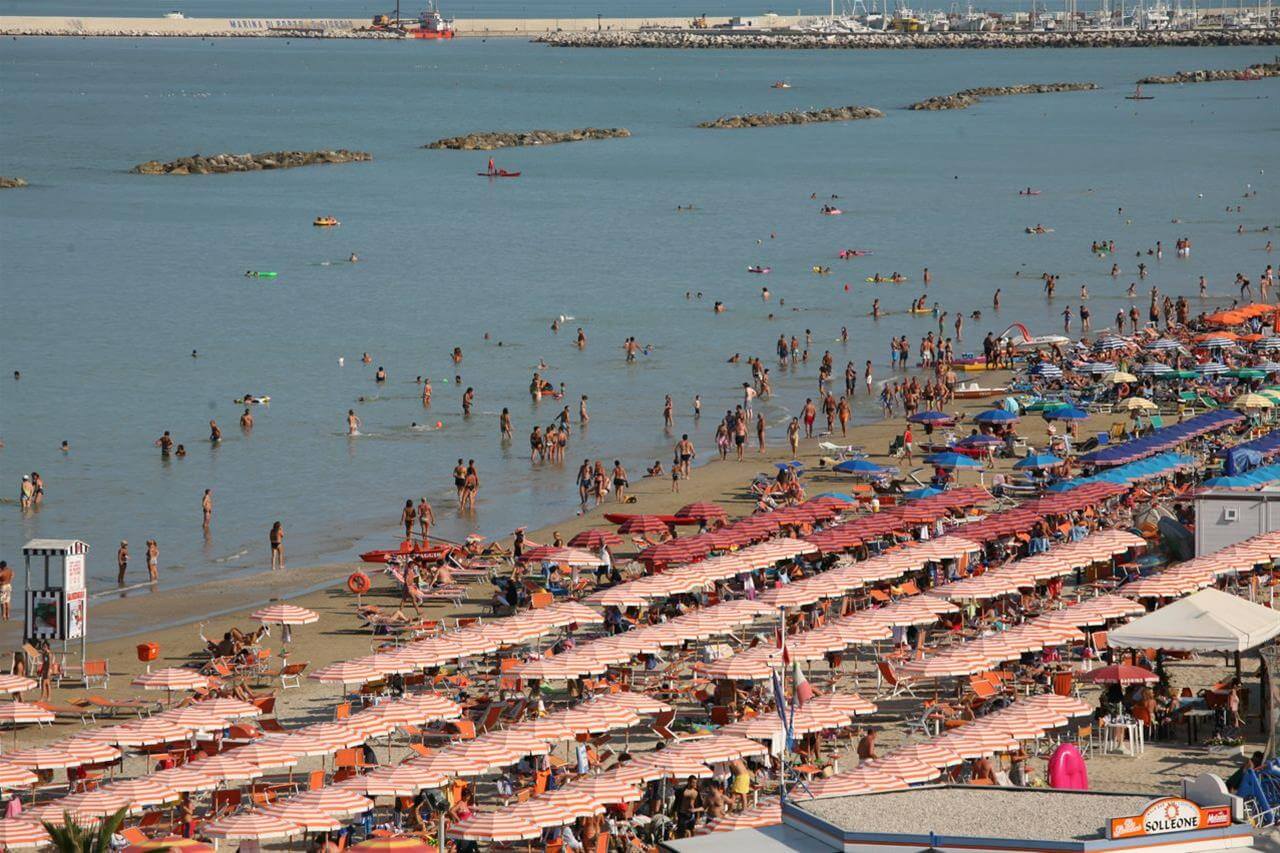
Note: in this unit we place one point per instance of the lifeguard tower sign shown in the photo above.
(57, 602)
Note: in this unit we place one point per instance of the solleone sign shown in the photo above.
(1170, 814)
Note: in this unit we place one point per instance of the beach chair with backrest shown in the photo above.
(889, 684)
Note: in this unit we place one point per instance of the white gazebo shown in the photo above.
(1208, 621)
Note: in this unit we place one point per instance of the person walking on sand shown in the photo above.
(740, 433)
(153, 560)
(46, 671)
(206, 507)
(760, 430)
(810, 413)
(907, 438)
(408, 516)
(6, 590)
(277, 546)
(843, 413)
(353, 423)
(685, 453)
(619, 481)
(122, 561)
(793, 437)
(426, 518)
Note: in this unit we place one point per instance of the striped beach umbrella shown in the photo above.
(345, 672)
(300, 744)
(13, 776)
(544, 728)
(607, 791)
(1211, 368)
(371, 725)
(251, 826)
(285, 614)
(643, 525)
(333, 735)
(170, 679)
(335, 801)
(1266, 344)
(651, 766)
(861, 780)
(20, 713)
(904, 767)
(152, 731)
(703, 511)
(308, 817)
(1163, 345)
(449, 764)
(515, 743)
(710, 750)
(195, 718)
(175, 843)
(483, 752)
(225, 768)
(595, 538)
(765, 814)
(1045, 370)
(16, 684)
(641, 703)
(495, 827)
(272, 756)
(850, 703)
(577, 803)
(99, 804)
(1152, 368)
(16, 834)
(396, 844)
(42, 758)
(929, 752)
(232, 709)
(143, 792)
(598, 719)
(88, 750)
(541, 813)
(185, 779)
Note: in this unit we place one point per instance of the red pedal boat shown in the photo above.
(430, 553)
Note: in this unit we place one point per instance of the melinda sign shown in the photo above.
(1170, 814)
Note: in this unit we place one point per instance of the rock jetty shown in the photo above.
(11, 183)
(911, 41)
(966, 98)
(218, 164)
(794, 117)
(1253, 72)
(518, 139)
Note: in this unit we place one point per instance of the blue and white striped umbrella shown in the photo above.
(1110, 344)
(1268, 344)
(1046, 370)
(1097, 367)
(1163, 344)
(1216, 343)
(1153, 368)
(1267, 366)
(1211, 368)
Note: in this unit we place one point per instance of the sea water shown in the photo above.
(109, 280)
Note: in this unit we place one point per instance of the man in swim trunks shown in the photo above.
(277, 546)
(459, 478)
(353, 422)
(6, 590)
(246, 421)
(685, 452)
(206, 507)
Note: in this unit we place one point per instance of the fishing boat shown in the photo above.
(1138, 96)
(499, 173)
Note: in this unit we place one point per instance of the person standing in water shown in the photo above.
(504, 424)
(277, 546)
(459, 479)
(122, 561)
(408, 516)
(206, 507)
(215, 432)
(353, 423)
(153, 560)
(426, 518)
(468, 399)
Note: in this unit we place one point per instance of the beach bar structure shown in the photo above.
(966, 818)
(56, 602)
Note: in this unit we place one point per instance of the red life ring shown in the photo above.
(358, 583)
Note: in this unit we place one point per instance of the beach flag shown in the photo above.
(802, 689)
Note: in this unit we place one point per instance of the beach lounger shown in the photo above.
(76, 709)
(115, 707)
(290, 674)
(842, 452)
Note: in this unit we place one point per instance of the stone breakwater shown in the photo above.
(913, 41)
(11, 183)
(218, 164)
(502, 139)
(1253, 72)
(794, 117)
(966, 98)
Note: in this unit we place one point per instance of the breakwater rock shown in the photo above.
(501, 139)
(911, 41)
(218, 164)
(11, 183)
(1253, 72)
(966, 98)
(794, 117)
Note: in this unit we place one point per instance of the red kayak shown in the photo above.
(500, 173)
(618, 518)
(430, 553)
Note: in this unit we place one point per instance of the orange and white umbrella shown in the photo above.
(90, 751)
(232, 709)
(860, 780)
(93, 803)
(334, 735)
(541, 813)
(929, 752)
(13, 776)
(950, 664)
(262, 755)
(186, 779)
(602, 719)
(448, 764)
(16, 684)
(43, 758)
(345, 672)
(651, 766)
(335, 801)
(578, 803)
(850, 703)
(370, 724)
(607, 791)
(544, 728)
(171, 678)
(710, 750)
(409, 712)
(143, 792)
(225, 768)
(751, 665)
(516, 743)
(482, 753)
(641, 703)
(149, 732)
(252, 826)
(387, 664)
(766, 814)
(195, 718)
(16, 833)
(285, 614)
(23, 712)
(496, 827)
(906, 768)
(308, 817)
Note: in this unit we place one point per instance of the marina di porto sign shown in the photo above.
(1170, 814)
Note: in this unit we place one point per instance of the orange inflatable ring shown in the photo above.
(358, 583)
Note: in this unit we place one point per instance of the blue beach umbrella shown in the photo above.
(917, 494)
(846, 498)
(982, 439)
(859, 466)
(1097, 367)
(1267, 366)
(1153, 368)
(1065, 413)
(1112, 344)
(995, 416)
(1266, 344)
(1163, 344)
(930, 418)
(1046, 370)
(952, 460)
(1037, 460)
